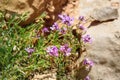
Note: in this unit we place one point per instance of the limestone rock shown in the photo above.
(34, 7)
(105, 14)
(105, 49)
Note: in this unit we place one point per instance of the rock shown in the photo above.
(46, 75)
(86, 7)
(53, 8)
(50, 76)
(105, 49)
(34, 7)
(105, 14)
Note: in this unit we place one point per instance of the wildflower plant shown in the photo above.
(38, 48)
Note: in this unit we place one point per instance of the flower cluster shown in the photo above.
(53, 50)
(87, 38)
(63, 30)
(82, 27)
(65, 49)
(88, 62)
(29, 50)
(81, 18)
(45, 29)
(66, 19)
(54, 27)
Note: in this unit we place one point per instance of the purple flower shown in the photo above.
(82, 18)
(52, 50)
(88, 62)
(82, 27)
(87, 38)
(66, 19)
(87, 78)
(65, 49)
(30, 50)
(63, 30)
(45, 30)
(54, 26)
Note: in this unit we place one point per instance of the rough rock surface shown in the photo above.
(51, 75)
(105, 14)
(105, 49)
(34, 7)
